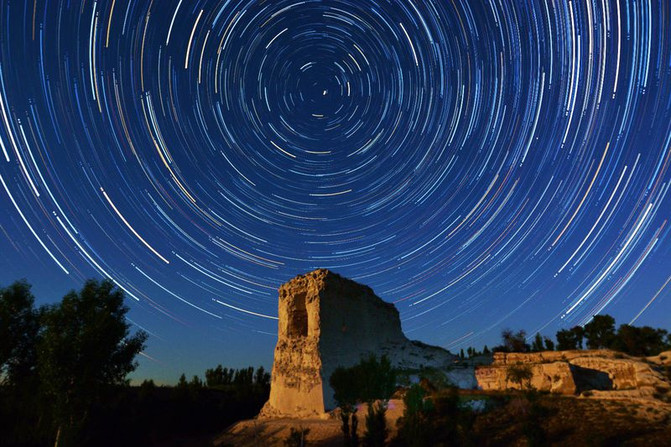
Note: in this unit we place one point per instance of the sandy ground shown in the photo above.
(323, 432)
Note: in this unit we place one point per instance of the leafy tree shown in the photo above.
(344, 384)
(182, 383)
(21, 405)
(513, 341)
(19, 328)
(148, 383)
(537, 345)
(376, 379)
(196, 383)
(261, 377)
(434, 419)
(214, 377)
(486, 350)
(640, 341)
(85, 348)
(415, 428)
(521, 374)
(376, 425)
(365, 382)
(569, 339)
(600, 332)
(549, 344)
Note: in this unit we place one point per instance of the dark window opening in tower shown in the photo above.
(298, 318)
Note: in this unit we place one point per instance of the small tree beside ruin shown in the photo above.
(368, 381)
(520, 374)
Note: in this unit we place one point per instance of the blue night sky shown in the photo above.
(481, 164)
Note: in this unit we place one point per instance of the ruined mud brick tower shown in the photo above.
(326, 321)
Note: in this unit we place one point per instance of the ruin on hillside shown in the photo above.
(326, 321)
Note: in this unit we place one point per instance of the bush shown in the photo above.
(297, 437)
(415, 428)
(367, 381)
(521, 374)
(513, 342)
(376, 425)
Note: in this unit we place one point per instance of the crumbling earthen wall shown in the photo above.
(570, 372)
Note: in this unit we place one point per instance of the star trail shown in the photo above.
(481, 164)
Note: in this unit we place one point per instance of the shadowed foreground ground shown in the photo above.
(566, 421)
(323, 432)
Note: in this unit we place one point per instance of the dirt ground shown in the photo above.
(323, 432)
(569, 421)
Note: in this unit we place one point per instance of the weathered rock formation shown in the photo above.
(326, 321)
(572, 372)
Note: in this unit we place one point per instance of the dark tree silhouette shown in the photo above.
(549, 344)
(416, 428)
(214, 377)
(600, 332)
(20, 402)
(19, 328)
(568, 339)
(182, 382)
(376, 425)
(640, 341)
(537, 345)
(513, 341)
(521, 374)
(367, 381)
(85, 348)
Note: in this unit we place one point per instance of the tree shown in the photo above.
(537, 345)
(261, 377)
(345, 390)
(376, 425)
(521, 374)
(19, 328)
(365, 382)
(182, 383)
(20, 403)
(196, 383)
(639, 341)
(513, 342)
(569, 339)
(549, 344)
(600, 332)
(415, 428)
(214, 377)
(86, 348)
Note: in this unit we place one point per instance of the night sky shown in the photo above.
(481, 164)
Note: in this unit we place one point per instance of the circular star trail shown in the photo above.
(481, 164)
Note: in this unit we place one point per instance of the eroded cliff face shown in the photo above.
(604, 372)
(326, 321)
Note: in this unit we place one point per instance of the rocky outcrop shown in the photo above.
(326, 321)
(555, 377)
(573, 372)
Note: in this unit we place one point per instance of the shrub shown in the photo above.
(520, 374)
(297, 437)
(376, 425)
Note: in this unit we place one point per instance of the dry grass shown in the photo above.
(578, 421)
(566, 421)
